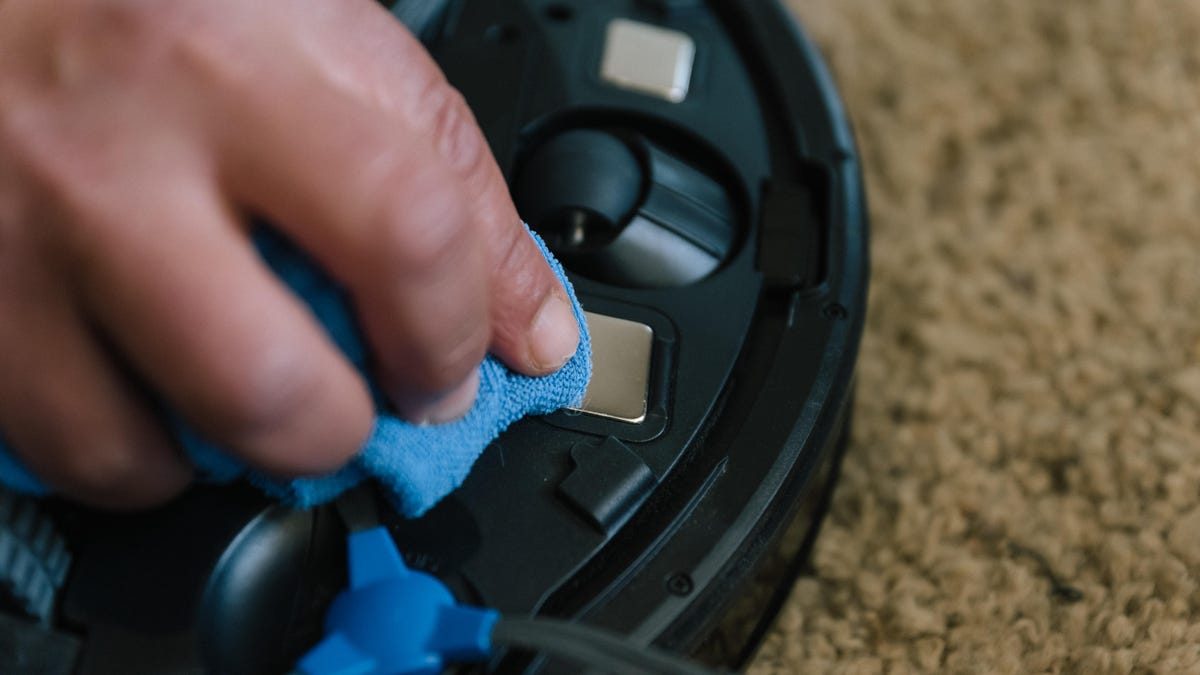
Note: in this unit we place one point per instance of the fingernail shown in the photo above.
(450, 406)
(554, 335)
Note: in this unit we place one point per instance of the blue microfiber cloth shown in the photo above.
(418, 465)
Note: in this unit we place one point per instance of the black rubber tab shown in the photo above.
(609, 482)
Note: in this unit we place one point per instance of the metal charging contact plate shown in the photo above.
(620, 383)
(648, 59)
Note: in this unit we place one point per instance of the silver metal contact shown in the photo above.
(648, 59)
(620, 383)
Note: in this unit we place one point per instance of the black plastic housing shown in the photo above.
(658, 530)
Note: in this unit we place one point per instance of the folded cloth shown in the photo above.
(417, 465)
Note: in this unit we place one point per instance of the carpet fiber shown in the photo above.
(1022, 491)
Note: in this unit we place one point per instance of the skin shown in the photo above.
(136, 139)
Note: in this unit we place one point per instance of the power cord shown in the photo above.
(600, 650)
(397, 621)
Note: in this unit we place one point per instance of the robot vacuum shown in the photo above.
(690, 164)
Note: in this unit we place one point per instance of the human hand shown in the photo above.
(137, 137)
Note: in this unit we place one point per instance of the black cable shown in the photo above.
(589, 646)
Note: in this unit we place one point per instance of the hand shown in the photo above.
(137, 136)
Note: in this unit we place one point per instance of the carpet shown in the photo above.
(1022, 489)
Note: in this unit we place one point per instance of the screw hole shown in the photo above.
(559, 12)
(835, 310)
(680, 584)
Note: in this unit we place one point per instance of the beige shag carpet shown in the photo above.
(1022, 492)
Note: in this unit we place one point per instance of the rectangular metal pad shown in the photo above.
(620, 383)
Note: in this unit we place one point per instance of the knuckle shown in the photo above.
(283, 413)
(22, 145)
(116, 477)
(142, 22)
(421, 227)
(447, 368)
(128, 19)
(516, 255)
(440, 363)
(457, 136)
(128, 37)
(427, 86)
(130, 28)
(527, 278)
(44, 173)
(113, 468)
(264, 396)
(103, 466)
(208, 51)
